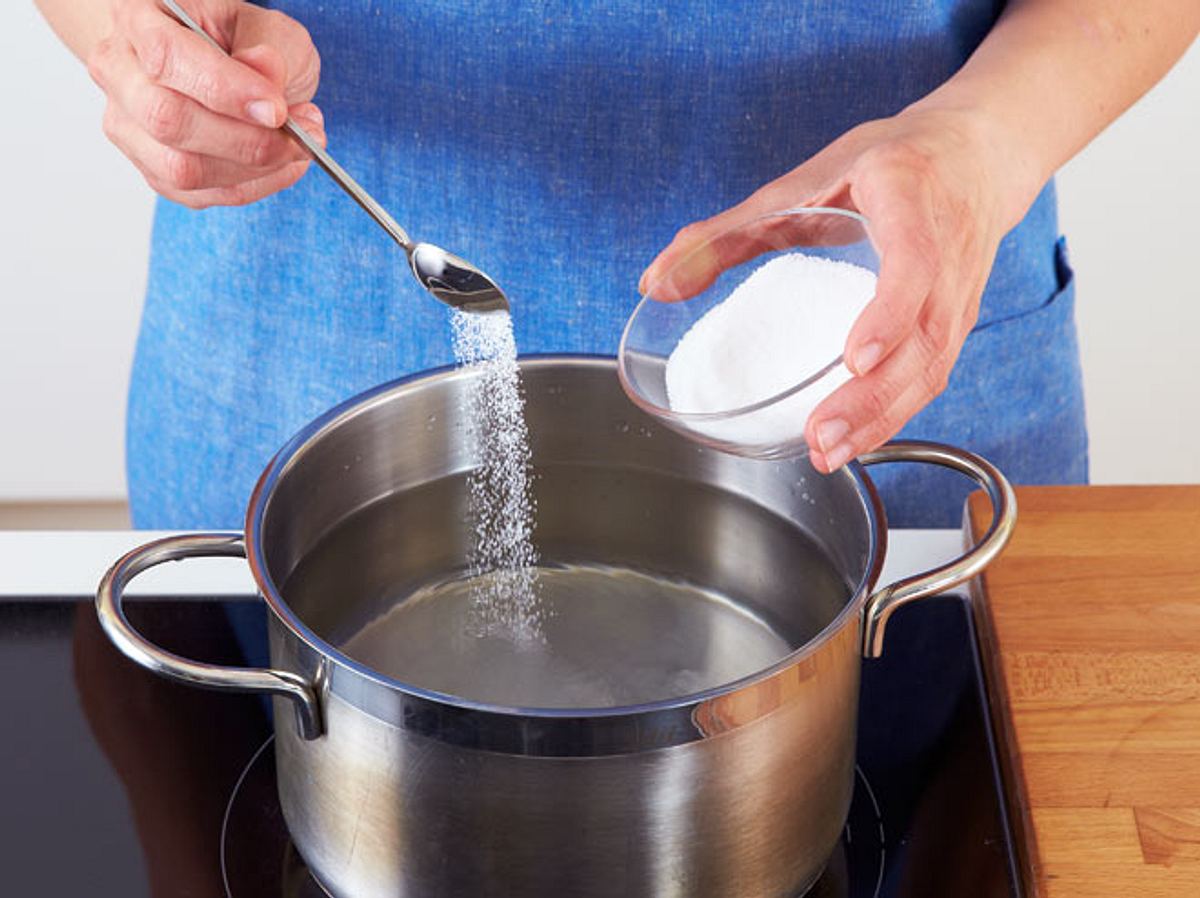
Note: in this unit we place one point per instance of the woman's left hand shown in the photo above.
(939, 195)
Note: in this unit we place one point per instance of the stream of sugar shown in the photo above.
(503, 562)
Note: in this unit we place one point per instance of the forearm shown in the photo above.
(80, 24)
(1052, 74)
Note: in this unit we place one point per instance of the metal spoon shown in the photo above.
(453, 280)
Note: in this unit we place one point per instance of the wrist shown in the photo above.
(80, 26)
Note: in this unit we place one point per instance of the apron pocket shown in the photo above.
(1065, 276)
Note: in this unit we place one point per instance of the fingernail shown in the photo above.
(263, 112)
(311, 123)
(867, 357)
(642, 282)
(838, 456)
(313, 114)
(830, 433)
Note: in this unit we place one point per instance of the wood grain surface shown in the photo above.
(1090, 628)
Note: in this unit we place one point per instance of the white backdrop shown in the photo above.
(74, 229)
(74, 233)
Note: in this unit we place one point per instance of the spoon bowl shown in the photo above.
(455, 281)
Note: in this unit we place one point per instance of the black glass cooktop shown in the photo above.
(114, 782)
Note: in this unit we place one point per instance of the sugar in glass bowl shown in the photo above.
(770, 425)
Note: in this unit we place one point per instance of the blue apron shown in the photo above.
(560, 150)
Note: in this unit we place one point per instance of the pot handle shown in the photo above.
(883, 602)
(139, 649)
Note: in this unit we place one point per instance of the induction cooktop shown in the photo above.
(118, 783)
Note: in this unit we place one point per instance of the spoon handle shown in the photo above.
(342, 178)
(314, 149)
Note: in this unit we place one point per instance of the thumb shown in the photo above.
(267, 61)
(702, 251)
(699, 252)
(291, 50)
(217, 17)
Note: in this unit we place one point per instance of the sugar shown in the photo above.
(503, 562)
(786, 322)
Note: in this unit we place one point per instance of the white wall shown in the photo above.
(75, 221)
(1130, 206)
(74, 230)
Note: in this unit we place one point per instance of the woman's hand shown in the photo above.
(200, 126)
(939, 196)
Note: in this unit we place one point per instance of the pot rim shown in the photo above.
(294, 449)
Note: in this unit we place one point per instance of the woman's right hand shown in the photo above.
(203, 127)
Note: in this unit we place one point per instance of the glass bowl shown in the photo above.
(771, 426)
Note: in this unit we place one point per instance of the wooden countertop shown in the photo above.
(1090, 626)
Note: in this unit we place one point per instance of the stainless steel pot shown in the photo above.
(391, 790)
